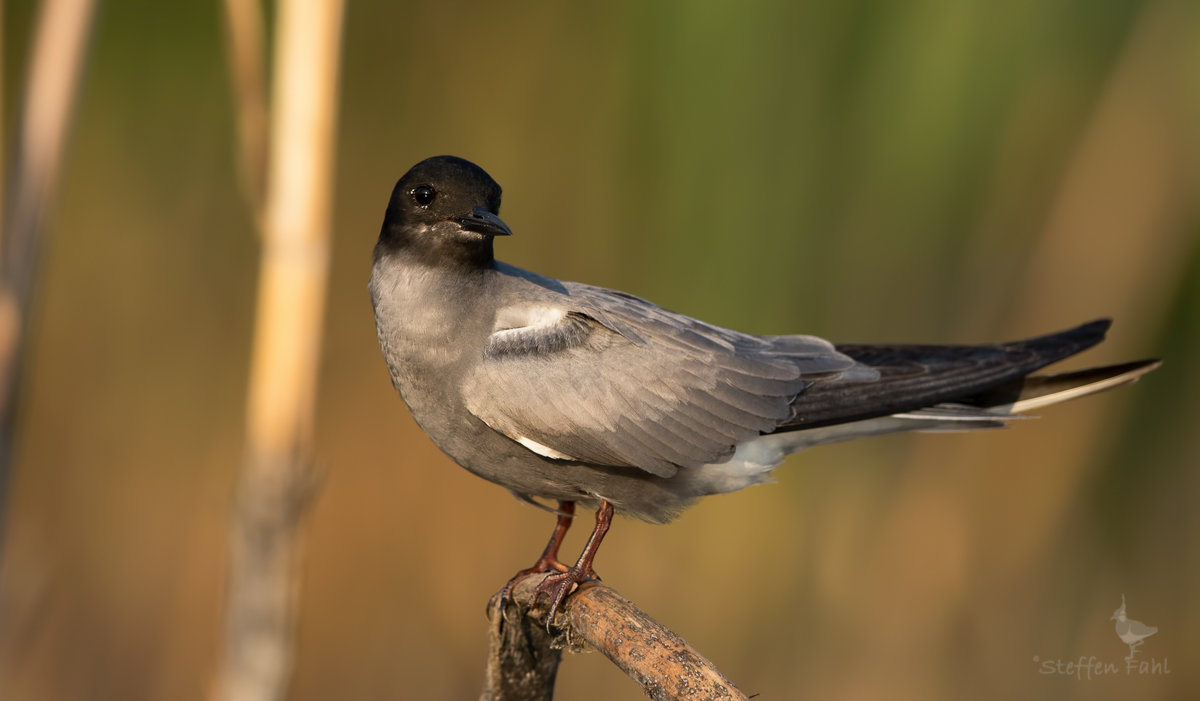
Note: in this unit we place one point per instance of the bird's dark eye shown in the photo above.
(424, 195)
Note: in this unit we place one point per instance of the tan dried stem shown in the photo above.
(275, 482)
(244, 43)
(51, 88)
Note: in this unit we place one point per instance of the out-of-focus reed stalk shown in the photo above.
(244, 44)
(276, 479)
(2, 210)
(51, 86)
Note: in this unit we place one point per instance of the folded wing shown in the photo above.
(610, 379)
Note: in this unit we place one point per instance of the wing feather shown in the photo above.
(913, 376)
(610, 379)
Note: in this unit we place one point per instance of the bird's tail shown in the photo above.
(754, 460)
(1036, 391)
(991, 409)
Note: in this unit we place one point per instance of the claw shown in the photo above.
(557, 587)
(542, 566)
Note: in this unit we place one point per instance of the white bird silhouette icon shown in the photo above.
(1131, 632)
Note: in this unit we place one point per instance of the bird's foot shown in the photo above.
(545, 564)
(558, 586)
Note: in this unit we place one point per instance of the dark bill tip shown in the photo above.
(484, 222)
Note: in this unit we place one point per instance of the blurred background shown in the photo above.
(945, 171)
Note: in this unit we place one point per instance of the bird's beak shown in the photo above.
(1113, 618)
(482, 221)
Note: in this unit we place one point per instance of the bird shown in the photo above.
(1131, 632)
(564, 392)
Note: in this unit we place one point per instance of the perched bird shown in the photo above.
(1131, 632)
(584, 395)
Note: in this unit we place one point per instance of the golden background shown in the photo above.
(927, 170)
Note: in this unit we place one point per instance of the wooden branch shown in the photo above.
(523, 658)
(275, 482)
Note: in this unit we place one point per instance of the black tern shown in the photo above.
(582, 395)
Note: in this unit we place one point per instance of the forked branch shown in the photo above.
(523, 658)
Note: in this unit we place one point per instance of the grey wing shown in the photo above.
(613, 380)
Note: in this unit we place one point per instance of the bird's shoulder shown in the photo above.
(550, 315)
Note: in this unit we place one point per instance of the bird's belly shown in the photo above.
(435, 404)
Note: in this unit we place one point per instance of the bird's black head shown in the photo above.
(443, 211)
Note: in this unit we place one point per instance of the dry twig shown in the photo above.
(523, 658)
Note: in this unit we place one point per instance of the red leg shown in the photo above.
(560, 584)
(548, 562)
